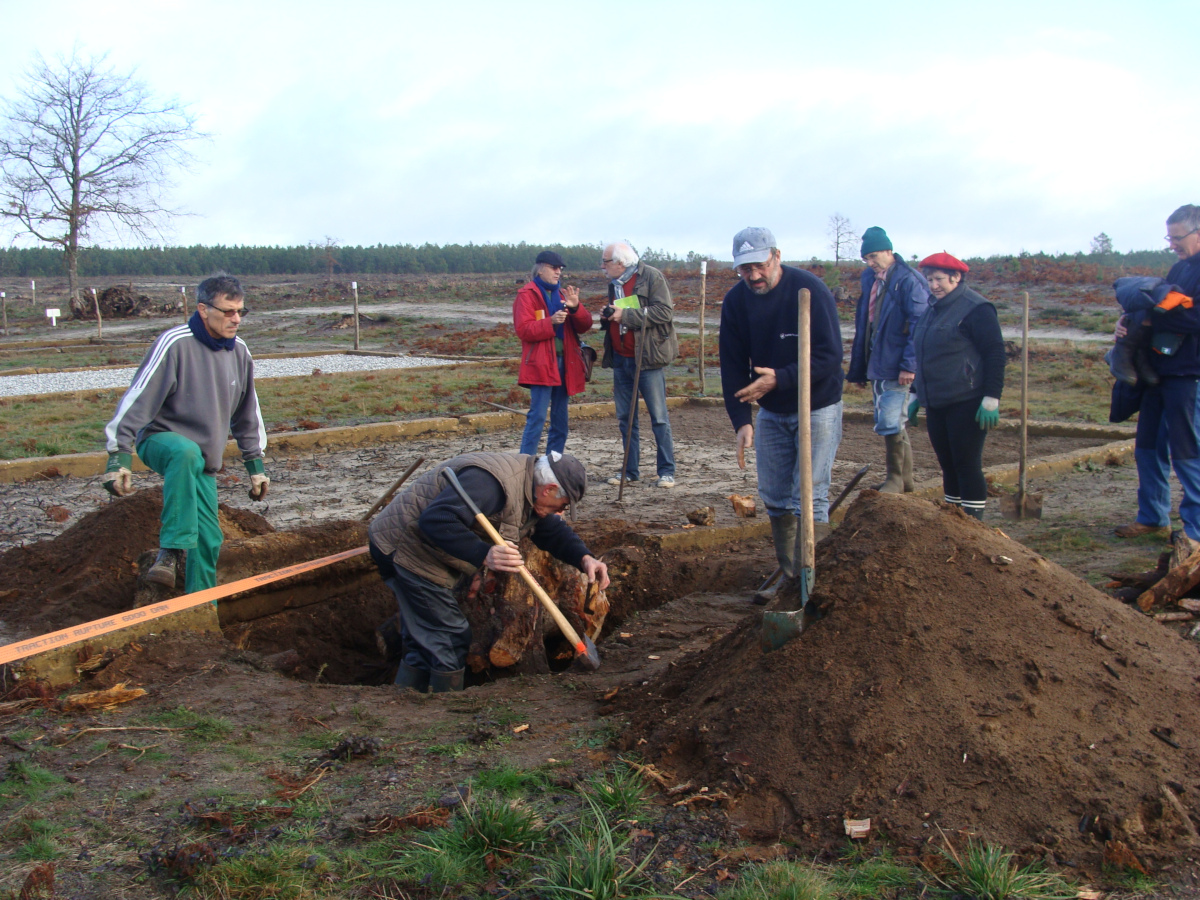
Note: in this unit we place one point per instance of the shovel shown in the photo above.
(780, 626)
(587, 658)
(1023, 505)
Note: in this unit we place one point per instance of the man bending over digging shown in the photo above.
(194, 386)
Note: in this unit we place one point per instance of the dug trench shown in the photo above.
(954, 683)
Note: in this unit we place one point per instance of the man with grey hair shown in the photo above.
(194, 387)
(427, 538)
(1168, 428)
(639, 343)
(760, 364)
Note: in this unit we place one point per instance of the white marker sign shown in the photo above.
(52, 315)
(703, 266)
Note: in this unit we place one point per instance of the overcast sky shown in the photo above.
(973, 128)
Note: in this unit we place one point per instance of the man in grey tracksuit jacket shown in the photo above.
(194, 386)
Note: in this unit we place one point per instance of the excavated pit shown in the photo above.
(319, 625)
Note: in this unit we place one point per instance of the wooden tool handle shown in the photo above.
(551, 607)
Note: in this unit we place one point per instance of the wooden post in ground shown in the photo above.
(99, 321)
(1024, 406)
(354, 287)
(183, 300)
(703, 280)
(4, 306)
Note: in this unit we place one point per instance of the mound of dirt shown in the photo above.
(955, 681)
(90, 570)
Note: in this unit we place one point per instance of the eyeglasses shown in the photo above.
(229, 313)
(1178, 238)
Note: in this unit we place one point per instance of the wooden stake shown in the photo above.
(1024, 406)
(99, 320)
(703, 280)
(354, 287)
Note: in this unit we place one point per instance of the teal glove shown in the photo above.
(913, 406)
(118, 474)
(988, 414)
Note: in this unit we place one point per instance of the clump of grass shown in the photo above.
(592, 863)
(988, 872)
(619, 792)
(200, 726)
(781, 881)
(279, 873)
(508, 781)
(28, 781)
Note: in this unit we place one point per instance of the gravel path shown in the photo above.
(62, 382)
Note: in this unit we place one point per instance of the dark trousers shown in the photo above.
(958, 442)
(436, 634)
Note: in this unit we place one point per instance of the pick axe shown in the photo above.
(587, 658)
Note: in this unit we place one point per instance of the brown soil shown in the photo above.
(90, 570)
(955, 681)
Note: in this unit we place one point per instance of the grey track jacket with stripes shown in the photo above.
(201, 394)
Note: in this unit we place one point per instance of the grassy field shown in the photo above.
(1067, 382)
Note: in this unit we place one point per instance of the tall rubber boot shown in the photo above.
(906, 474)
(411, 677)
(784, 530)
(443, 682)
(894, 483)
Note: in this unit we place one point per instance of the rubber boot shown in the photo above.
(166, 565)
(443, 682)
(894, 483)
(784, 530)
(906, 474)
(977, 513)
(411, 677)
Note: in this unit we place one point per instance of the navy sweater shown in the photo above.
(447, 522)
(1185, 361)
(760, 330)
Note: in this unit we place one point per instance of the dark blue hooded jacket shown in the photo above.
(904, 300)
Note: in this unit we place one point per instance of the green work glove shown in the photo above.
(913, 406)
(988, 414)
(118, 474)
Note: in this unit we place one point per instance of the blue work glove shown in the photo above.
(913, 406)
(118, 475)
(988, 414)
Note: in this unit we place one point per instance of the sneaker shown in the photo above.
(1137, 529)
(616, 480)
(166, 564)
(666, 481)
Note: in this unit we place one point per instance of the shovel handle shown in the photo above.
(490, 530)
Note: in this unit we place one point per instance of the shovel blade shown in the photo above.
(780, 627)
(1028, 506)
(587, 657)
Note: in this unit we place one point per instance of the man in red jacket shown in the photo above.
(548, 319)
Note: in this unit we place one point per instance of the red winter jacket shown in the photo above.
(538, 357)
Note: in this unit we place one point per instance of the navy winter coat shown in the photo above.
(904, 300)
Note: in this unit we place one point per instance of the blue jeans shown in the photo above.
(541, 396)
(778, 459)
(652, 387)
(891, 406)
(1166, 435)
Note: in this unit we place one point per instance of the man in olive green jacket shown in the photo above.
(639, 326)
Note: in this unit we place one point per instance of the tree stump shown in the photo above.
(510, 631)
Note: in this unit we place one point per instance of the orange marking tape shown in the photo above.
(21, 649)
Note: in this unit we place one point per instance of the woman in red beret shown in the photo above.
(960, 376)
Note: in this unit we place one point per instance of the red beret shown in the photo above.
(944, 260)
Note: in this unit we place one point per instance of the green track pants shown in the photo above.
(189, 514)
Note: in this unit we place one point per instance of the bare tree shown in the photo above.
(842, 238)
(84, 147)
